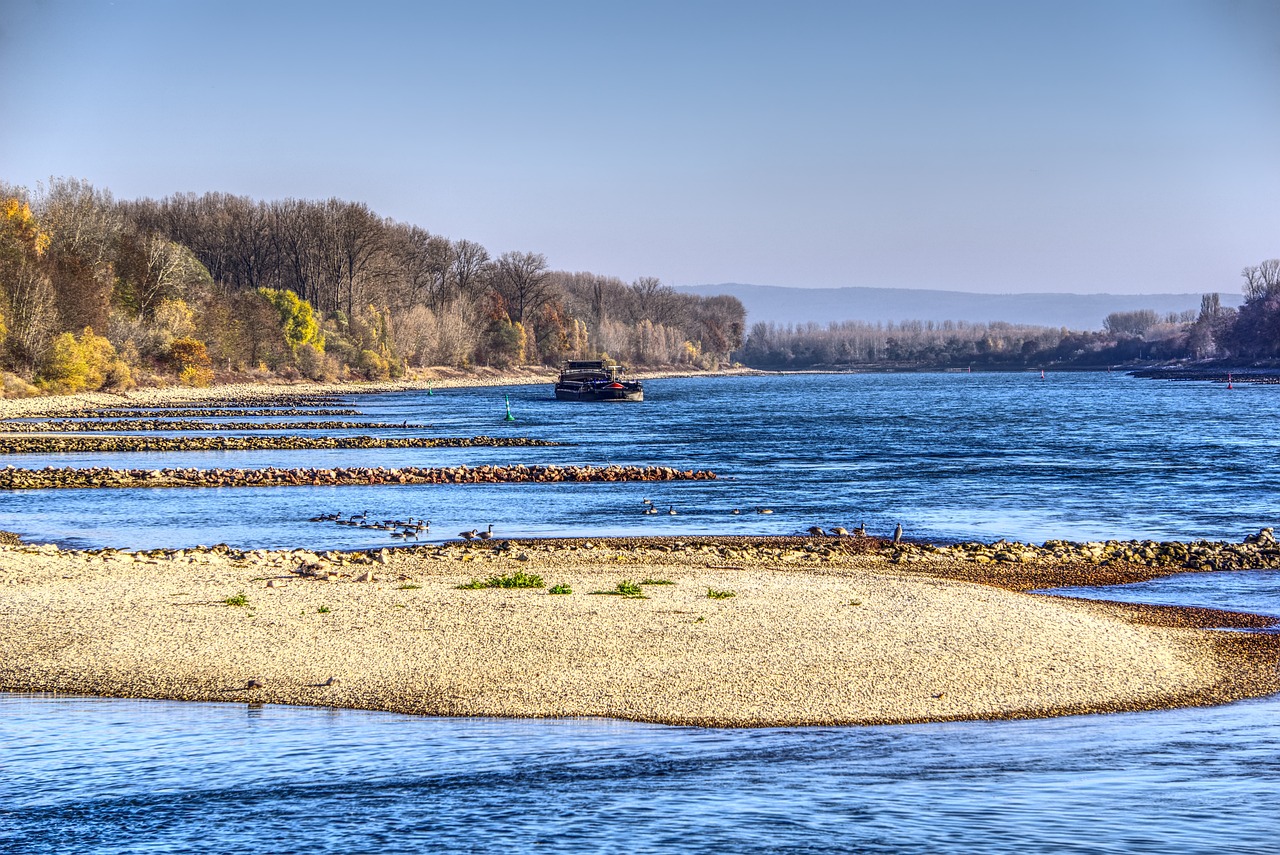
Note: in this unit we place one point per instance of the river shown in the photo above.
(951, 456)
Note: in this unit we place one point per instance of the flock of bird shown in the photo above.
(816, 531)
(408, 529)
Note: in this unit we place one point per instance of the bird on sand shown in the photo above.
(816, 531)
(468, 535)
(897, 533)
(485, 535)
(840, 531)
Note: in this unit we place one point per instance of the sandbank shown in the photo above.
(846, 638)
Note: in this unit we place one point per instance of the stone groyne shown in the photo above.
(12, 478)
(80, 444)
(122, 425)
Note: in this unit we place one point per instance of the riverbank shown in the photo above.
(716, 631)
(82, 403)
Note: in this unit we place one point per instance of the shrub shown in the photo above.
(77, 364)
(16, 387)
(191, 358)
(373, 366)
(315, 364)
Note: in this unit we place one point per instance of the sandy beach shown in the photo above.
(803, 640)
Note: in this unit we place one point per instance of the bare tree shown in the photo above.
(524, 283)
(1262, 280)
(471, 269)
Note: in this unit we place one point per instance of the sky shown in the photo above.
(1127, 146)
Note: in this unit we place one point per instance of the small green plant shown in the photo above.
(518, 579)
(713, 594)
(408, 586)
(560, 589)
(324, 610)
(238, 600)
(656, 582)
(700, 618)
(625, 588)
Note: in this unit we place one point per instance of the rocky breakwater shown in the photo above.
(64, 444)
(1062, 563)
(12, 478)
(205, 413)
(122, 425)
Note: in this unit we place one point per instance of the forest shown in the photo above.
(100, 293)
(1216, 334)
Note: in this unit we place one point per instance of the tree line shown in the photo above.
(98, 292)
(1215, 332)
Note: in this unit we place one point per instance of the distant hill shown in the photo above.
(822, 305)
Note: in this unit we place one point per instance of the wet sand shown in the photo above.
(805, 639)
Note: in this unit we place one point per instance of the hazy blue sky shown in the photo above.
(983, 146)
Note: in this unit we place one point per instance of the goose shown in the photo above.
(840, 531)
(861, 530)
(650, 510)
(735, 511)
(764, 510)
(671, 510)
(468, 535)
(897, 533)
(816, 531)
(485, 535)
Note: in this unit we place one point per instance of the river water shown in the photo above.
(951, 456)
(1077, 456)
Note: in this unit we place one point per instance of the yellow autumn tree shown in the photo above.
(77, 364)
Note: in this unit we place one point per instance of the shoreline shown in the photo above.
(842, 639)
(440, 378)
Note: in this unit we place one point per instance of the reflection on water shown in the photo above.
(87, 775)
(951, 456)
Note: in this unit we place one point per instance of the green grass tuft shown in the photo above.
(560, 589)
(656, 582)
(713, 594)
(324, 610)
(625, 588)
(238, 600)
(518, 579)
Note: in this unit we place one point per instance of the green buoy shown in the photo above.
(509, 418)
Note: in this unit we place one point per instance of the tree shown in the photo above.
(523, 281)
(1262, 280)
(84, 227)
(27, 299)
(298, 320)
(1133, 323)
